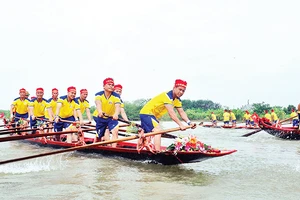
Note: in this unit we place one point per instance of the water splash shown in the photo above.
(51, 163)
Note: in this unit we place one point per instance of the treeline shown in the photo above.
(201, 109)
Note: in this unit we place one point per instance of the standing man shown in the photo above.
(37, 108)
(268, 116)
(108, 105)
(118, 89)
(213, 119)
(274, 117)
(226, 117)
(19, 108)
(52, 105)
(67, 109)
(161, 104)
(295, 120)
(232, 118)
(84, 104)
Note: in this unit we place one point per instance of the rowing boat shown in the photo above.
(128, 150)
(230, 126)
(288, 133)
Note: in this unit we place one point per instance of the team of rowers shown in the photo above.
(229, 116)
(61, 112)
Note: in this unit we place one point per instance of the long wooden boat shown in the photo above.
(229, 127)
(288, 133)
(128, 150)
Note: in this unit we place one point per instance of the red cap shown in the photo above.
(71, 88)
(54, 89)
(293, 110)
(179, 82)
(272, 110)
(247, 111)
(118, 86)
(107, 81)
(39, 89)
(83, 90)
(22, 90)
(266, 111)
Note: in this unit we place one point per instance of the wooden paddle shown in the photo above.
(165, 135)
(90, 145)
(21, 137)
(20, 131)
(251, 133)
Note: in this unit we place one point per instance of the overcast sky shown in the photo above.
(228, 51)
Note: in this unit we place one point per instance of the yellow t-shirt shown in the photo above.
(226, 116)
(108, 104)
(82, 104)
(232, 116)
(156, 106)
(21, 106)
(38, 107)
(274, 116)
(51, 104)
(213, 117)
(67, 108)
(268, 116)
(294, 115)
(247, 116)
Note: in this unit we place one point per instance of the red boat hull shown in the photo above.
(128, 150)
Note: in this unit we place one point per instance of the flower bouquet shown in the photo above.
(191, 143)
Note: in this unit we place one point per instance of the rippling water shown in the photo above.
(264, 167)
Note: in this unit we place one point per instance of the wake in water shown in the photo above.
(50, 163)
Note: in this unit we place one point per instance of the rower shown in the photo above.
(19, 109)
(226, 117)
(232, 118)
(108, 103)
(84, 104)
(65, 114)
(295, 119)
(274, 117)
(37, 107)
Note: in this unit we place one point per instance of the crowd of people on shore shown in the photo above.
(61, 112)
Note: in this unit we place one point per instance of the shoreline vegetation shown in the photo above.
(201, 110)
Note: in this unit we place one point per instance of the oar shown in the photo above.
(20, 131)
(9, 129)
(91, 145)
(284, 120)
(21, 137)
(166, 135)
(163, 135)
(251, 133)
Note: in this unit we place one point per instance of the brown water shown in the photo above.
(264, 167)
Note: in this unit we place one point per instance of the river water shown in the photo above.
(264, 167)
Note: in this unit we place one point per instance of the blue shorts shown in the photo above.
(252, 123)
(33, 123)
(60, 125)
(20, 116)
(233, 121)
(247, 122)
(295, 122)
(103, 123)
(148, 122)
(226, 122)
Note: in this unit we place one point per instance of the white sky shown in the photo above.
(228, 51)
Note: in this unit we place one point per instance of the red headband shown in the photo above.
(39, 89)
(22, 90)
(71, 88)
(179, 82)
(54, 89)
(118, 86)
(107, 81)
(83, 90)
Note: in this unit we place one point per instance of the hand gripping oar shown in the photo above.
(91, 145)
(21, 137)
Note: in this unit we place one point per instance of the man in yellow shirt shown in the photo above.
(118, 89)
(161, 104)
(37, 108)
(232, 118)
(84, 103)
(247, 118)
(66, 108)
(19, 108)
(108, 105)
(295, 118)
(226, 117)
(213, 119)
(268, 116)
(274, 117)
